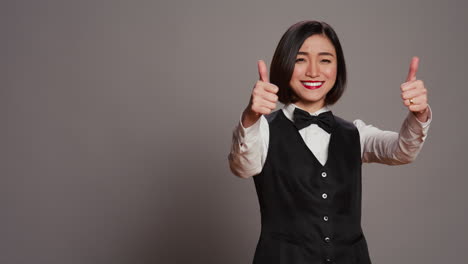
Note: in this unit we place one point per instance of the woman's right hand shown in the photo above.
(263, 99)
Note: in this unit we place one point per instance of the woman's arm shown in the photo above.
(250, 138)
(248, 149)
(400, 148)
(389, 147)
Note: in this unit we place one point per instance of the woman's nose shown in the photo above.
(312, 70)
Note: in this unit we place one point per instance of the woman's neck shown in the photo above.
(310, 107)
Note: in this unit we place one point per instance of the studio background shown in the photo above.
(117, 119)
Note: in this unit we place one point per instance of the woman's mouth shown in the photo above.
(312, 85)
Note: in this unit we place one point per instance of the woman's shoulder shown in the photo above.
(348, 124)
(355, 123)
(272, 116)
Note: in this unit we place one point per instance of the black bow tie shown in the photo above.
(303, 119)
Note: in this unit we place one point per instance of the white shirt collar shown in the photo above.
(288, 110)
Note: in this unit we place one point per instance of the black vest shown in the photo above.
(310, 213)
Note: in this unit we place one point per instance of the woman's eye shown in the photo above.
(327, 61)
(300, 59)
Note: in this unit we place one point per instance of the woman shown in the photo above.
(306, 161)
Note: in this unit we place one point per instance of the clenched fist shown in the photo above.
(263, 99)
(414, 93)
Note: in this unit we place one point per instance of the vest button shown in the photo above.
(328, 260)
(327, 239)
(325, 218)
(324, 174)
(324, 196)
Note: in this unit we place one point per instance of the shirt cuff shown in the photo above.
(417, 126)
(414, 121)
(247, 135)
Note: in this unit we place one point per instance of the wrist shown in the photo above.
(422, 116)
(249, 118)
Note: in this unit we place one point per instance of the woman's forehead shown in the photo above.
(317, 44)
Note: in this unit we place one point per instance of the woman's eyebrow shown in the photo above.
(320, 53)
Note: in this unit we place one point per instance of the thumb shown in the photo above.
(262, 71)
(413, 69)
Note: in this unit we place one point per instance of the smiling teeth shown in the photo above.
(312, 83)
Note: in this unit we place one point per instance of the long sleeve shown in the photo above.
(248, 149)
(393, 148)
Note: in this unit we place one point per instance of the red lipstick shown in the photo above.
(312, 85)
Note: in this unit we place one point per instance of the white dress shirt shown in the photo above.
(250, 145)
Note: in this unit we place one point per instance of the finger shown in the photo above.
(411, 85)
(262, 71)
(270, 97)
(412, 93)
(262, 88)
(418, 100)
(271, 88)
(262, 110)
(407, 86)
(407, 102)
(417, 107)
(413, 69)
(269, 105)
(262, 102)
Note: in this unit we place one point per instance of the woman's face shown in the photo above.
(314, 72)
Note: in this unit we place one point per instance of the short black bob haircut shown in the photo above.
(284, 60)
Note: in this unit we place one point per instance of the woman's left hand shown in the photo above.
(414, 93)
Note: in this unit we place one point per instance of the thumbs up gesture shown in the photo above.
(263, 99)
(414, 93)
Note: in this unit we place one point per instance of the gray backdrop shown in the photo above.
(117, 120)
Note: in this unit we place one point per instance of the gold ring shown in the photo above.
(411, 101)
